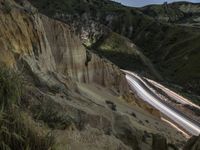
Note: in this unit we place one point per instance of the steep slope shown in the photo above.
(173, 49)
(45, 50)
(82, 99)
(125, 54)
(87, 20)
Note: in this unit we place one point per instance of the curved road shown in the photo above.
(145, 92)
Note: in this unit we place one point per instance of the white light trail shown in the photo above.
(180, 120)
(172, 94)
(176, 127)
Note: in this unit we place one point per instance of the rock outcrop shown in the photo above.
(193, 144)
(49, 46)
(168, 51)
(82, 98)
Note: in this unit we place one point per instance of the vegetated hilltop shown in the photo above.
(55, 94)
(161, 33)
(183, 13)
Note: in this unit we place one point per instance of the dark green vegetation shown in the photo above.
(7, 7)
(51, 7)
(120, 50)
(11, 88)
(17, 131)
(180, 12)
(52, 115)
(173, 48)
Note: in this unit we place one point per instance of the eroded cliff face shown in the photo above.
(80, 96)
(48, 46)
(161, 42)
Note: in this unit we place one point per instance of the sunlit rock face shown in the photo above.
(49, 46)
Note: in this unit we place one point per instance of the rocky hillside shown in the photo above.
(70, 98)
(183, 13)
(87, 19)
(170, 50)
(45, 46)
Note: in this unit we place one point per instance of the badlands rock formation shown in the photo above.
(167, 34)
(82, 98)
(49, 47)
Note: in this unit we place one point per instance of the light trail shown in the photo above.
(143, 91)
(169, 92)
(176, 127)
(172, 94)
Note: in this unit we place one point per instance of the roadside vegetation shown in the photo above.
(17, 132)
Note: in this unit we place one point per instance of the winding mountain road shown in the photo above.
(148, 94)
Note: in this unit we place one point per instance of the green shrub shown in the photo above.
(16, 131)
(10, 89)
(53, 115)
(7, 6)
(17, 134)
